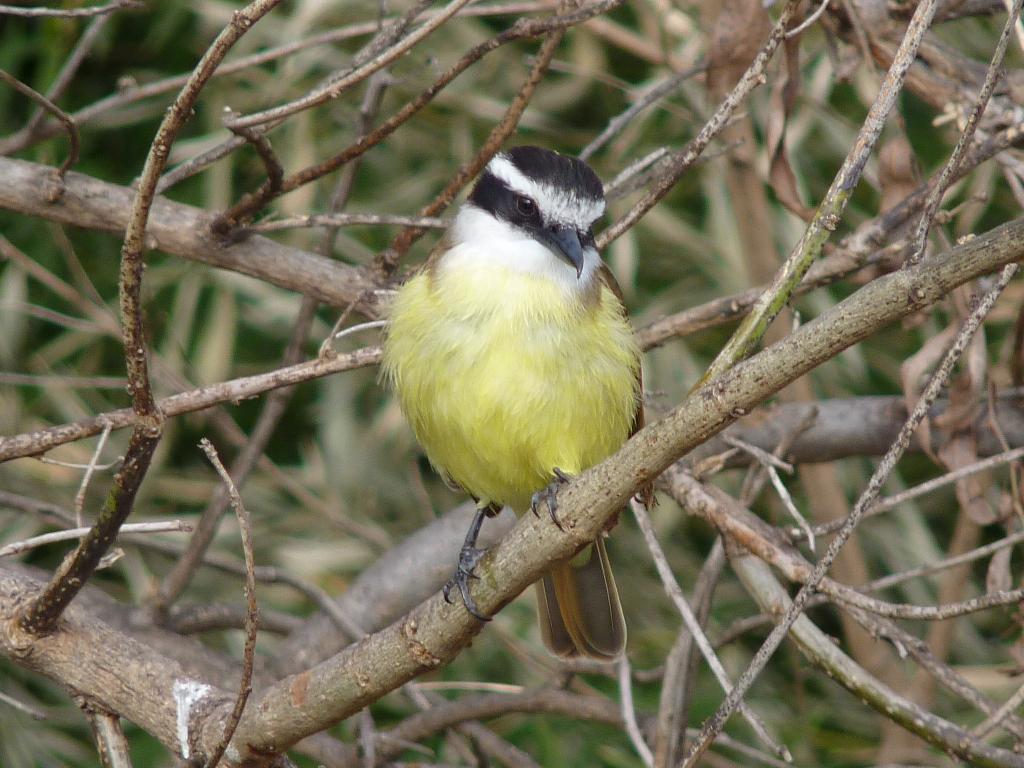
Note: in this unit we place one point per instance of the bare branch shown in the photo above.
(387, 262)
(70, 13)
(347, 220)
(234, 390)
(80, 495)
(650, 96)
(41, 615)
(17, 547)
(522, 29)
(179, 577)
(252, 613)
(337, 87)
(184, 231)
(110, 739)
(69, 126)
(435, 631)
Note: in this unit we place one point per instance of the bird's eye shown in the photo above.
(525, 205)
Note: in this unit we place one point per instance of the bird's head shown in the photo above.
(534, 194)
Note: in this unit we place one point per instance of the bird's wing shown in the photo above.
(646, 492)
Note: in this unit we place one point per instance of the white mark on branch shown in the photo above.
(187, 693)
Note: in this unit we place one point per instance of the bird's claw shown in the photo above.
(469, 556)
(549, 495)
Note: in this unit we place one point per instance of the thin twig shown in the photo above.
(203, 160)
(80, 495)
(629, 713)
(617, 187)
(21, 706)
(70, 13)
(41, 615)
(336, 88)
(770, 464)
(233, 390)
(522, 29)
(17, 547)
(679, 681)
(761, 456)
(65, 120)
(135, 93)
(58, 380)
(67, 72)
(650, 95)
(949, 562)
(78, 465)
(367, 738)
(359, 328)
(846, 595)
(809, 21)
(213, 617)
(252, 614)
(110, 739)
(787, 502)
(991, 722)
(347, 220)
(180, 576)
(887, 503)
(821, 650)
(257, 138)
(942, 672)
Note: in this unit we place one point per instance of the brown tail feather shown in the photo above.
(578, 604)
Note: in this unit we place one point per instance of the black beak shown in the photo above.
(565, 242)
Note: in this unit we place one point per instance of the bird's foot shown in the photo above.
(549, 496)
(469, 556)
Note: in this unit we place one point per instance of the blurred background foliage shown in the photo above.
(346, 478)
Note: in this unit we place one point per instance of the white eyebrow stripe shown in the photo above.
(502, 168)
(555, 203)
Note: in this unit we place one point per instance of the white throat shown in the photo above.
(484, 241)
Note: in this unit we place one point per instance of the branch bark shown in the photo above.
(183, 230)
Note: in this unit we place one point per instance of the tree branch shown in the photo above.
(183, 230)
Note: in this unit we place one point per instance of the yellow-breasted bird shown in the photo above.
(515, 364)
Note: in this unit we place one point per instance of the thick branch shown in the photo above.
(183, 230)
(94, 659)
(856, 426)
(42, 615)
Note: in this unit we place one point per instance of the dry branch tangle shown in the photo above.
(188, 236)
(434, 632)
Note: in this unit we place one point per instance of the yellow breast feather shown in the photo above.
(503, 377)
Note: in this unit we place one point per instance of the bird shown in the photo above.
(515, 364)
